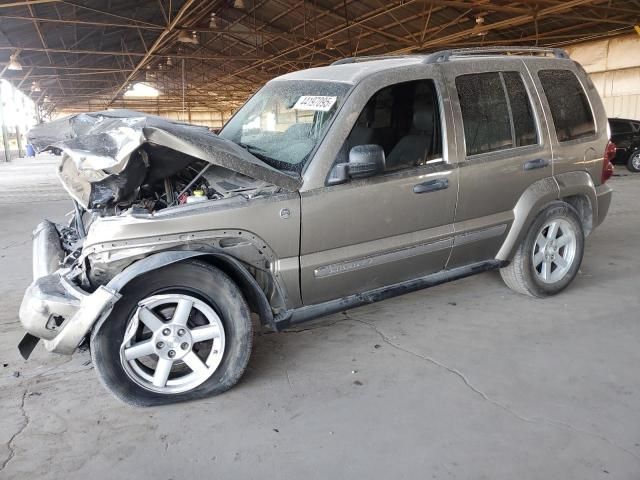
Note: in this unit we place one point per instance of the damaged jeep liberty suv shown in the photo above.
(330, 188)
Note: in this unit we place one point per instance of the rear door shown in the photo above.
(372, 232)
(578, 121)
(503, 148)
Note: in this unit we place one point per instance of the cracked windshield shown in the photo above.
(284, 122)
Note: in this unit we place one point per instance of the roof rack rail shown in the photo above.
(444, 55)
(370, 58)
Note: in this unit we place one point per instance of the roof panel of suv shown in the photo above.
(351, 72)
(354, 72)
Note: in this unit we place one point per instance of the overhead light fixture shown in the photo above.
(184, 37)
(169, 62)
(330, 45)
(478, 25)
(141, 90)
(14, 63)
(213, 22)
(239, 4)
(35, 86)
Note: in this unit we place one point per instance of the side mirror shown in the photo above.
(364, 161)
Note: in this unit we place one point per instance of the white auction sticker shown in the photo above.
(316, 103)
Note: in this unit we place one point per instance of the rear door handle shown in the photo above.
(537, 163)
(431, 185)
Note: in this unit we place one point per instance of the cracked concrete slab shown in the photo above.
(465, 380)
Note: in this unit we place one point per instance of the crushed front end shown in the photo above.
(59, 307)
(126, 172)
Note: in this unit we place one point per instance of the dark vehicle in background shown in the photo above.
(625, 134)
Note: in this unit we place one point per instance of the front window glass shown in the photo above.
(285, 120)
(403, 119)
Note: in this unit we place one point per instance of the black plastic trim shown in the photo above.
(311, 312)
(27, 344)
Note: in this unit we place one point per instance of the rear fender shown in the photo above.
(532, 201)
(576, 188)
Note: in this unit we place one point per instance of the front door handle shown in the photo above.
(537, 163)
(431, 185)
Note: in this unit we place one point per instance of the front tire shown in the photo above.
(633, 163)
(550, 255)
(178, 333)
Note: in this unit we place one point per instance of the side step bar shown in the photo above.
(311, 312)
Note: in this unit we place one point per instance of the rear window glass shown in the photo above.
(568, 102)
(523, 122)
(496, 112)
(484, 113)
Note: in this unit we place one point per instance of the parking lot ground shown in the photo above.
(466, 380)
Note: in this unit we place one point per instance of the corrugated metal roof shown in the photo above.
(84, 55)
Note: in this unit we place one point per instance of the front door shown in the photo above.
(391, 227)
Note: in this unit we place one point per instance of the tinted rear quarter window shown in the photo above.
(496, 112)
(568, 103)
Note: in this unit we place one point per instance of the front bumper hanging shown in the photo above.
(54, 308)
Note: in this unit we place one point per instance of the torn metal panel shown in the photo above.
(108, 155)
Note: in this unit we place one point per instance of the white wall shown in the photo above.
(614, 66)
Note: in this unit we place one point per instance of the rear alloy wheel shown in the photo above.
(178, 333)
(633, 164)
(550, 255)
(554, 250)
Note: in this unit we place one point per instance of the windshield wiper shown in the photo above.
(272, 162)
(249, 148)
(258, 152)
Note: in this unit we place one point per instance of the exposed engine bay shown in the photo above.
(156, 179)
(197, 181)
(117, 160)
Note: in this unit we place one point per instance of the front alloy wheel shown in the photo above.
(173, 343)
(178, 333)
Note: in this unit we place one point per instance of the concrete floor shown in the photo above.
(467, 380)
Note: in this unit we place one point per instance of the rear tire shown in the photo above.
(178, 333)
(633, 163)
(550, 254)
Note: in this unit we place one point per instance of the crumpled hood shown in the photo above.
(102, 143)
